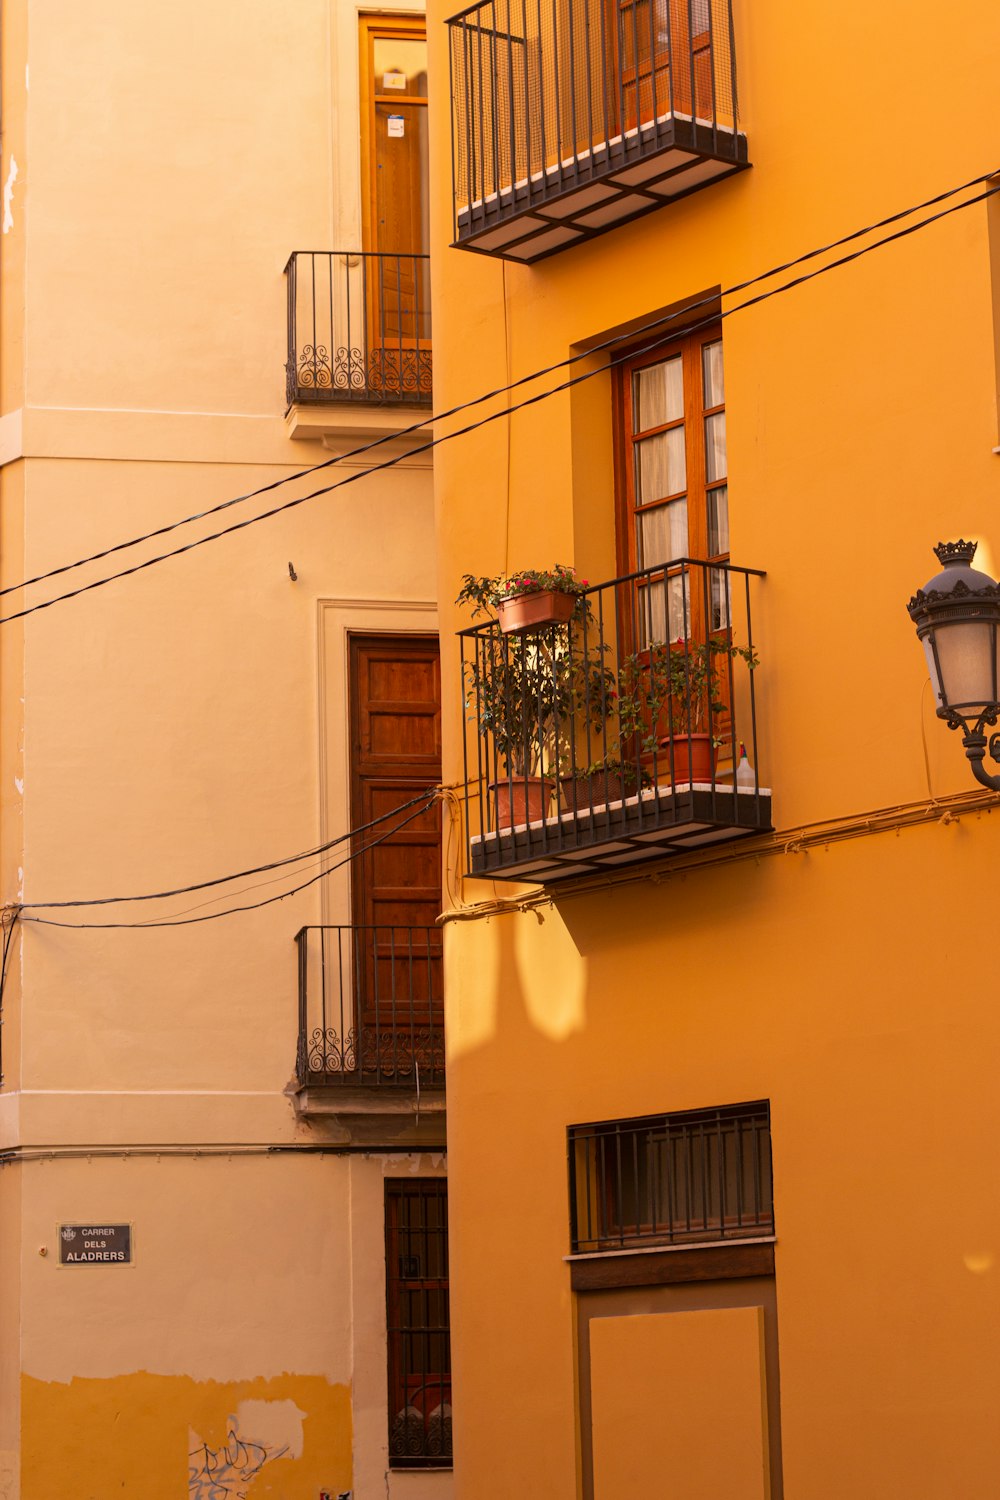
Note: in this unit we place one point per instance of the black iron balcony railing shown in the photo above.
(371, 1012)
(626, 734)
(571, 116)
(671, 1179)
(359, 328)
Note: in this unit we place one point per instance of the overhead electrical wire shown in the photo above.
(660, 322)
(471, 427)
(230, 911)
(204, 885)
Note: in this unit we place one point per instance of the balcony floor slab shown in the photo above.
(650, 825)
(599, 187)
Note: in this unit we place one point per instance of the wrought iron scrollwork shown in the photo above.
(314, 372)
(398, 1054)
(414, 1436)
(399, 372)
(349, 370)
(327, 1053)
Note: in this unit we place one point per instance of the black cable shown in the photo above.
(204, 885)
(495, 416)
(613, 341)
(251, 906)
(750, 302)
(7, 937)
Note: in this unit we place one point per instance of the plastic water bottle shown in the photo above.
(745, 776)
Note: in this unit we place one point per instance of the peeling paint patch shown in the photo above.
(19, 783)
(276, 1424)
(8, 198)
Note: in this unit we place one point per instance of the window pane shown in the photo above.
(711, 362)
(715, 446)
(660, 466)
(400, 66)
(678, 608)
(658, 394)
(718, 522)
(662, 534)
(665, 611)
(651, 604)
(721, 610)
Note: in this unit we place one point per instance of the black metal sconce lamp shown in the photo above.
(957, 615)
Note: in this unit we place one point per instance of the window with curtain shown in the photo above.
(673, 489)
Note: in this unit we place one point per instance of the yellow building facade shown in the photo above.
(721, 1042)
(222, 1172)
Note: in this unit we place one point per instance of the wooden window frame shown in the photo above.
(627, 436)
(689, 344)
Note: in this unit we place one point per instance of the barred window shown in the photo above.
(416, 1263)
(690, 1178)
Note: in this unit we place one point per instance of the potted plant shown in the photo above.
(603, 781)
(670, 700)
(534, 598)
(527, 695)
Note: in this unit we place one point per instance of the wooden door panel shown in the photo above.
(383, 796)
(426, 990)
(396, 884)
(403, 865)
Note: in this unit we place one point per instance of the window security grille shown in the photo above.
(685, 1179)
(416, 1264)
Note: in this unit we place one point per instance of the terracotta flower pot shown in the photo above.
(520, 612)
(693, 760)
(581, 793)
(519, 800)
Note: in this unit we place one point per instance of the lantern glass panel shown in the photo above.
(967, 654)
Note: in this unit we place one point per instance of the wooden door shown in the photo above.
(395, 707)
(395, 168)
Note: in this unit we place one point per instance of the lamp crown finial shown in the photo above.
(955, 553)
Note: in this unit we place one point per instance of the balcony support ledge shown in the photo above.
(341, 429)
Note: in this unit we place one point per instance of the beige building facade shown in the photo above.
(213, 277)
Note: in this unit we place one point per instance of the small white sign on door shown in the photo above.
(393, 80)
(396, 125)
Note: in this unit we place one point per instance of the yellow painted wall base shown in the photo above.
(159, 1437)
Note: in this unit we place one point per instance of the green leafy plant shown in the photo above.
(486, 593)
(675, 688)
(530, 694)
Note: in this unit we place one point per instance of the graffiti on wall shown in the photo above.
(226, 1473)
